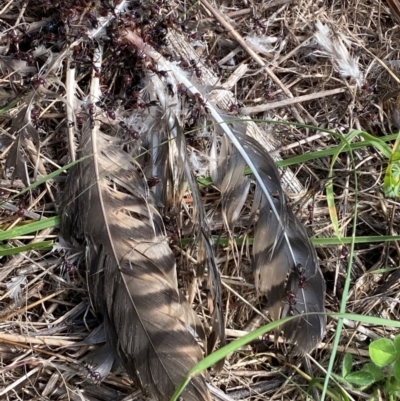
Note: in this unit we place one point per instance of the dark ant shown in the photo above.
(184, 64)
(92, 122)
(21, 210)
(300, 270)
(111, 114)
(161, 73)
(268, 95)
(108, 7)
(131, 132)
(134, 135)
(134, 95)
(97, 72)
(345, 252)
(260, 25)
(127, 79)
(35, 112)
(71, 16)
(15, 39)
(94, 375)
(143, 57)
(30, 60)
(79, 120)
(154, 10)
(171, 21)
(50, 37)
(170, 229)
(198, 71)
(310, 213)
(35, 82)
(291, 297)
(145, 105)
(160, 30)
(26, 35)
(369, 88)
(93, 20)
(234, 108)
(120, 49)
(170, 89)
(212, 60)
(133, 15)
(194, 116)
(104, 89)
(181, 89)
(68, 267)
(201, 102)
(195, 36)
(183, 26)
(70, 124)
(90, 108)
(199, 99)
(153, 181)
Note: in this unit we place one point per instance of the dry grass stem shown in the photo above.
(50, 339)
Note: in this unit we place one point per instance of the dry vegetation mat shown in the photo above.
(177, 175)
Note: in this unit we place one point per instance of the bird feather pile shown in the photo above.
(111, 207)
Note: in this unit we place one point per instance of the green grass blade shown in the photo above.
(223, 352)
(380, 145)
(48, 177)
(6, 250)
(357, 240)
(30, 228)
(391, 182)
(216, 240)
(369, 141)
(10, 105)
(346, 287)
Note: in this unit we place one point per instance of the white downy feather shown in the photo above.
(334, 47)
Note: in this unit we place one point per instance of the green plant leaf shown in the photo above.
(382, 351)
(396, 343)
(392, 388)
(396, 370)
(347, 365)
(361, 378)
(391, 181)
(376, 371)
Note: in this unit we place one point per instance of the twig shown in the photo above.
(293, 100)
(222, 20)
(70, 89)
(19, 381)
(25, 308)
(41, 340)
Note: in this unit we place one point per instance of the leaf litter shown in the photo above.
(46, 344)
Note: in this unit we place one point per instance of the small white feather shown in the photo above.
(334, 47)
(261, 44)
(14, 287)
